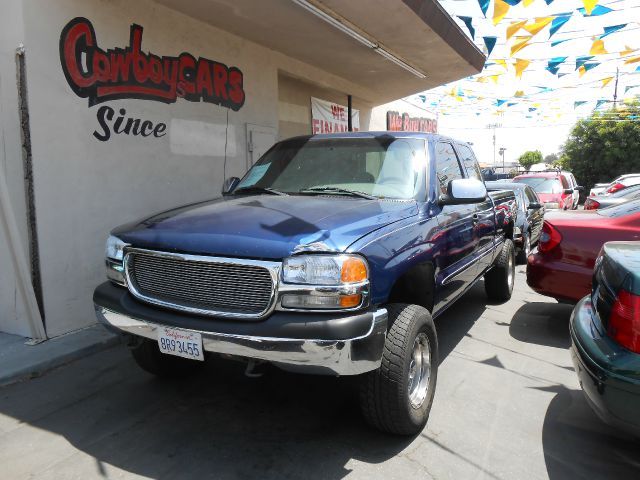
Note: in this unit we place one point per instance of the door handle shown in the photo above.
(475, 218)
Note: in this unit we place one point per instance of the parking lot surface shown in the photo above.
(507, 406)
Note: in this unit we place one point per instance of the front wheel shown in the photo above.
(397, 397)
(521, 259)
(498, 281)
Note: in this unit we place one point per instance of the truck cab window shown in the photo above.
(469, 161)
(447, 165)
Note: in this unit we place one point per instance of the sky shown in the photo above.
(538, 110)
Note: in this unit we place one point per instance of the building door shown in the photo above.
(259, 140)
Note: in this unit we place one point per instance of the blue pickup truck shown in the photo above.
(331, 256)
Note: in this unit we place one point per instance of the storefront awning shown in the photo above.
(391, 49)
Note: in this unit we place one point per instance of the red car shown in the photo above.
(563, 265)
(557, 190)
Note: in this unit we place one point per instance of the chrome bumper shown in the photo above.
(328, 357)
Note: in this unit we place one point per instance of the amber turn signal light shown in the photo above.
(353, 270)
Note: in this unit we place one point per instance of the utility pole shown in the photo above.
(502, 150)
(494, 126)
(615, 91)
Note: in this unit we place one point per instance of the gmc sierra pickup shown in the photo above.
(332, 256)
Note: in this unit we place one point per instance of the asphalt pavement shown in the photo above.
(507, 406)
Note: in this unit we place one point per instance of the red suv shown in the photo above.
(555, 189)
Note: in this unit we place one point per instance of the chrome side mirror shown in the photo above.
(229, 184)
(464, 190)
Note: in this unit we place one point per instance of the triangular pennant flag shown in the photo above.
(558, 42)
(589, 5)
(423, 98)
(578, 103)
(582, 70)
(629, 87)
(513, 3)
(553, 70)
(519, 44)
(502, 63)
(560, 75)
(557, 23)
(526, 3)
(484, 6)
(612, 29)
(495, 77)
(586, 67)
(511, 104)
(538, 25)
(638, 69)
(553, 65)
(548, 2)
(632, 60)
(532, 109)
(467, 21)
(599, 103)
(490, 42)
(521, 66)
(605, 82)
(519, 93)
(514, 27)
(500, 10)
(627, 50)
(595, 12)
(598, 48)
(582, 60)
(500, 102)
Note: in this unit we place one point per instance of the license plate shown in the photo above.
(181, 343)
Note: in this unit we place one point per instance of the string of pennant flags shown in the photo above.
(516, 34)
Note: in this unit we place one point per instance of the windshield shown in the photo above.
(621, 210)
(384, 167)
(541, 184)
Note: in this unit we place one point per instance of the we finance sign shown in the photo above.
(329, 117)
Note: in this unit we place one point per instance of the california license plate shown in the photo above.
(181, 343)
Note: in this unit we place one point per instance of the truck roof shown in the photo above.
(375, 134)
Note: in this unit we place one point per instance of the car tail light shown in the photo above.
(615, 188)
(624, 321)
(549, 239)
(591, 204)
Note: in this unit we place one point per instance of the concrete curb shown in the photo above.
(19, 361)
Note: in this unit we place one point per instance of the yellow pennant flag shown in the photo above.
(598, 48)
(502, 63)
(495, 78)
(632, 60)
(538, 25)
(582, 70)
(589, 5)
(519, 44)
(521, 66)
(526, 3)
(519, 93)
(500, 10)
(627, 50)
(514, 27)
(482, 79)
(605, 81)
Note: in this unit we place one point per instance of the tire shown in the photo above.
(148, 356)
(523, 253)
(386, 399)
(498, 281)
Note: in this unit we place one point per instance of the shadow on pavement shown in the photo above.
(577, 444)
(542, 324)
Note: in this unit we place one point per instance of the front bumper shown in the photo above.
(608, 373)
(328, 344)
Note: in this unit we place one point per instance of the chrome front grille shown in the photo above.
(203, 285)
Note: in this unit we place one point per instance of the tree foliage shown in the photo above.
(530, 158)
(551, 159)
(604, 145)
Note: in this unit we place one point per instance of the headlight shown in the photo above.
(325, 282)
(114, 253)
(325, 269)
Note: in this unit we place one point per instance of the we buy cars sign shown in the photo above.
(329, 117)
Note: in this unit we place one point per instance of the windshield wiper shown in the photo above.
(353, 193)
(259, 190)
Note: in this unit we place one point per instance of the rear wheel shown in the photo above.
(148, 356)
(498, 282)
(524, 252)
(397, 397)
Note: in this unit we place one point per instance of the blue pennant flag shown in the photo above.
(490, 42)
(558, 42)
(590, 65)
(553, 70)
(638, 69)
(513, 3)
(467, 21)
(548, 2)
(597, 11)
(511, 104)
(580, 61)
(500, 102)
(560, 75)
(557, 23)
(577, 104)
(599, 103)
(612, 29)
(553, 65)
(532, 109)
(423, 98)
(629, 87)
(484, 6)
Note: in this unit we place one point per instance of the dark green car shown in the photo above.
(605, 337)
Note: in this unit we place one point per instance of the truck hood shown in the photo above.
(264, 226)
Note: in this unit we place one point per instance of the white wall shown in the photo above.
(85, 187)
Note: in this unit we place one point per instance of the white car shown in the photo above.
(619, 183)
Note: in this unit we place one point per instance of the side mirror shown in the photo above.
(579, 188)
(535, 206)
(229, 184)
(568, 191)
(464, 190)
